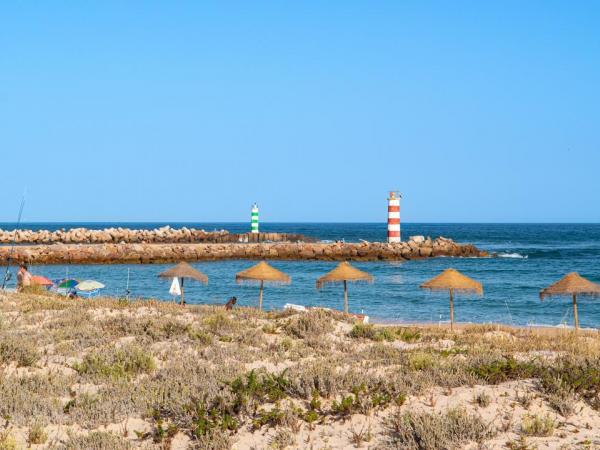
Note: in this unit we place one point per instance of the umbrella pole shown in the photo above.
(260, 295)
(181, 285)
(575, 317)
(451, 310)
(345, 296)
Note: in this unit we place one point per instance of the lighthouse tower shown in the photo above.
(254, 219)
(393, 233)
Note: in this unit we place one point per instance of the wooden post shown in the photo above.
(260, 295)
(575, 317)
(451, 310)
(346, 296)
(181, 286)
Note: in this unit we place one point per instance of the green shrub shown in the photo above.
(20, 349)
(37, 435)
(117, 363)
(258, 387)
(370, 332)
(384, 333)
(422, 360)
(482, 399)
(198, 334)
(505, 369)
(536, 425)
(574, 376)
(309, 325)
(7, 441)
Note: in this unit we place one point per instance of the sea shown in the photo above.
(529, 257)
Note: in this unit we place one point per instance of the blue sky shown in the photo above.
(134, 111)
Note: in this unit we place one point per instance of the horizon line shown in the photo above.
(167, 222)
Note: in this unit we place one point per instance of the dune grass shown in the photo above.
(205, 375)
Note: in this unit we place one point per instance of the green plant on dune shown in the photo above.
(7, 441)
(536, 425)
(22, 350)
(310, 325)
(384, 333)
(124, 362)
(37, 434)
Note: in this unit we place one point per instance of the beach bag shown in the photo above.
(175, 288)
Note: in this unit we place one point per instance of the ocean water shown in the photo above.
(530, 256)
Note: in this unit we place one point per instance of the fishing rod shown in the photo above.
(7, 274)
(127, 291)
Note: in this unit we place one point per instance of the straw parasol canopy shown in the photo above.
(452, 280)
(572, 284)
(262, 272)
(343, 273)
(182, 271)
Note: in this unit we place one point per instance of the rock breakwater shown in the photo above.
(137, 253)
(162, 235)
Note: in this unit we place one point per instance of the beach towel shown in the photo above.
(175, 288)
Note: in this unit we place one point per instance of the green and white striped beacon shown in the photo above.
(254, 219)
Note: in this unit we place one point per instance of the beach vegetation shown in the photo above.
(309, 325)
(215, 439)
(524, 398)
(423, 430)
(7, 440)
(20, 349)
(537, 425)
(282, 439)
(97, 440)
(359, 436)
(482, 399)
(384, 333)
(199, 335)
(37, 434)
(124, 362)
(211, 375)
(520, 444)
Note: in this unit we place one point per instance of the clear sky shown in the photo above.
(477, 111)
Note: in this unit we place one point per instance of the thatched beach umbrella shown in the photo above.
(344, 272)
(262, 272)
(572, 284)
(452, 280)
(182, 271)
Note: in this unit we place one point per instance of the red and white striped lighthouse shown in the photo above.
(393, 234)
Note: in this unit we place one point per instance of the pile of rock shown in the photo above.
(415, 248)
(162, 235)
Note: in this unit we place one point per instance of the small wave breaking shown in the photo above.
(512, 255)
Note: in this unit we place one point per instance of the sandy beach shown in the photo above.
(110, 374)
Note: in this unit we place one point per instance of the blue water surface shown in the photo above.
(531, 256)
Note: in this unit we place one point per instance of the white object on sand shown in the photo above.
(175, 288)
(360, 317)
(294, 307)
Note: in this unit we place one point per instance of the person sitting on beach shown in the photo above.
(229, 305)
(23, 278)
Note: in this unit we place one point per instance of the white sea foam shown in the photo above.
(512, 255)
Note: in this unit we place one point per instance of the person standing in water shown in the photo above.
(23, 278)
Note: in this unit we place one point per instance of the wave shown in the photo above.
(512, 255)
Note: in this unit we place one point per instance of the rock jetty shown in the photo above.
(162, 235)
(138, 253)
